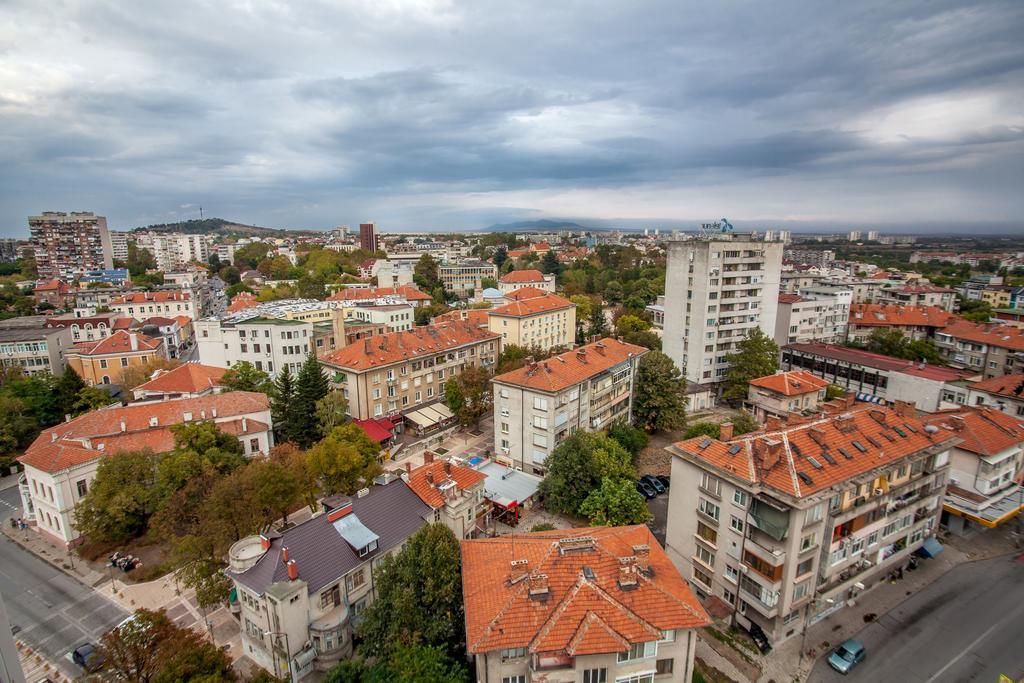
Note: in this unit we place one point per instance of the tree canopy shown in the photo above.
(243, 376)
(468, 395)
(577, 466)
(757, 355)
(344, 461)
(659, 397)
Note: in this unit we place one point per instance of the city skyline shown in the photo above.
(444, 116)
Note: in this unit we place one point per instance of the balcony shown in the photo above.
(773, 556)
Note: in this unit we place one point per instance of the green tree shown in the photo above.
(419, 598)
(512, 357)
(629, 323)
(756, 356)
(702, 429)
(67, 388)
(584, 304)
(150, 648)
(468, 395)
(236, 289)
(659, 396)
(243, 376)
(344, 461)
(311, 287)
(832, 392)
(488, 283)
(311, 385)
(426, 273)
(744, 423)
(122, 498)
(615, 502)
(613, 292)
(249, 256)
(500, 256)
(577, 466)
(331, 412)
(629, 437)
(550, 264)
(598, 323)
(644, 338)
(90, 398)
(139, 260)
(282, 394)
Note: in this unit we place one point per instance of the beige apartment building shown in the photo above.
(783, 528)
(544, 322)
(463, 277)
(989, 348)
(398, 372)
(35, 350)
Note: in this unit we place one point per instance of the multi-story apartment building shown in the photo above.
(368, 236)
(544, 322)
(877, 378)
(991, 349)
(393, 317)
(143, 305)
(915, 322)
(61, 463)
(399, 372)
(466, 276)
(455, 494)
(394, 273)
(380, 296)
(716, 291)
(90, 326)
(105, 361)
(9, 250)
(812, 257)
(595, 605)
(35, 349)
(816, 314)
(269, 344)
(540, 405)
(1004, 393)
(174, 251)
(68, 244)
(119, 245)
(985, 488)
(783, 393)
(919, 295)
(300, 591)
(518, 279)
(788, 526)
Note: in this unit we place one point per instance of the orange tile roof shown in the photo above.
(1011, 386)
(463, 477)
(118, 342)
(993, 334)
(585, 610)
(884, 315)
(984, 430)
(534, 306)
(182, 320)
(56, 285)
(408, 292)
(396, 347)
(474, 316)
(523, 276)
(541, 246)
(778, 459)
(242, 301)
(151, 297)
(516, 253)
(789, 298)
(100, 432)
(572, 367)
(792, 383)
(189, 378)
(526, 293)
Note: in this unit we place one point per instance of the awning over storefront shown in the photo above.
(868, 398)
(931, 547)
(1007, 506)
(429, 416)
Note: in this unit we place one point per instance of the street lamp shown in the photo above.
(287, 652)
(807, 617)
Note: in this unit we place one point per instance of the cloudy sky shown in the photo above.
(428, 114)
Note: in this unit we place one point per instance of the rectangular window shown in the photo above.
(705, 556)
(540, 403)
(740, 498)
(707, 533)
(736, 524)
(800, 590)
(513, 679)
(595, 676)
(711, 484)
(639, 651)
(732, 573)
(82, 486)
(808, 541)
(513, 653)
(664, 667)
(813, 514)
(708, 508)
(805, 566)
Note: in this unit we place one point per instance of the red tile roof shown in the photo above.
(55, 285)
(792, 383)
(778, 459)
(993, 334)
(1011, 386)
(523, 276)
(377, 429)
(396, 347)
(585, 611)
(190, 378)
(462, 477)
(789, 298)
(242, 301)
(526, 293)
(407, 292)
(99, 433)
(572, 367)
(984, 430)
(891, 315)
(533, 306)
(474, 316)
(151, 297)
(118, 342)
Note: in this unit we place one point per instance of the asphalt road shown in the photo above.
(48, 609)
(966, 626)
(658, 506)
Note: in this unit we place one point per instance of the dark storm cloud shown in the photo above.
(437, 114)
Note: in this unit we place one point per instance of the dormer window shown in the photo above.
(367, 549)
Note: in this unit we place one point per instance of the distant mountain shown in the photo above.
(218, 226)
(541, 225)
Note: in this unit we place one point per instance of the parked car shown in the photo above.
(646, 490)
(87, 657)
(653, 482)
(760, 638)
(665, 480)
(846, 656)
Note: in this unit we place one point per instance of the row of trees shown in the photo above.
(892, 342)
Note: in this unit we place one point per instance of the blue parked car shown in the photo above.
(846, 656)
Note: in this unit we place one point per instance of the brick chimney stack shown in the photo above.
(293, 570)
(538, 585)
(642, 553)
(725, 432)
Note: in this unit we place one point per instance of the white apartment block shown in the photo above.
(465, 276)
(269, 344)
(174, 251)
(816, 314)
(169, 303)
(540, 405)
(119, 245)
(397, 317)
(716, 292)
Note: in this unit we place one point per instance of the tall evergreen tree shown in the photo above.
(311, 385)
(598, 323)
(281, 397)
(68, 386)
(756, 356)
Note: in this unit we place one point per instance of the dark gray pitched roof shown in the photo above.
(392, 512)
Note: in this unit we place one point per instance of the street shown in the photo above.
(50, 611)
(964, 627)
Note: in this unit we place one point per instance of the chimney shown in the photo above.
(67, 417)
(725, 431)
(340, 511)
(133, 341)
(772, 453)
(538, 586)
(581, 354)
(214, 411)
(285, 554)
(53, 437)
(430, 477)
(408, 468)
(264, 542)
(599, 347)
(447, 468)
(293, 570)
(772, 423)
(518, 570)
(905, 408)
(428, 457)
(245, 425)
(957, 423)
(627, 573)
(642, 553)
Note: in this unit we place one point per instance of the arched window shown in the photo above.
(105, 380)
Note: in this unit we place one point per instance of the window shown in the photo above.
(805, 566)
(729, 596)
(664, 666)
(813, 514)
(736, 524)
(740, 498)
(708, 508)
(639, 651)
(872, 538)
(707, 533)
(540, 422)
(801, 590)
(355, 579)
(595, 676)
(711, 484)
(82, 487)
(705, 556)
(124, 362)
(636, 678)
(103, 363)
(513, 679)
(540, 403)
(808, 541)
(513, 653)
